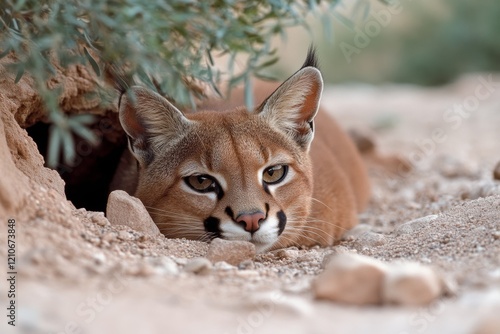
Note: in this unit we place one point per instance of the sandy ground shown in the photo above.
(78, 274)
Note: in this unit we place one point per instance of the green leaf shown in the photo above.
(265, 77)
(268, 63)
(92, 62)
(215, 88)
(68, 145)
(54, 146)
(145, 78)
(344, 20)
(86, 134)
(210, 59)
(237, 79)
(327, 27)
(20, 73)
(81, 119)
(248, 92)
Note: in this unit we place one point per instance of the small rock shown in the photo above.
(356, 232)
(99, 219)
(123, 209)
(142, 238)
(163, 265)
(496, 172)
(109, 237)
(496, 235)
(223, 266)
(411, 284)
(232, 252)
(199, 265)
(310, 256)
(481, 189)
(180, 260)
(453, 168)
(335, 251)
(369, 240)
(414, 225)
(247, 265)
(351, 278)
(286, 254)
(99, 258)
(125, 235)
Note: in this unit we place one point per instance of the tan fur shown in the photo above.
(326, 186)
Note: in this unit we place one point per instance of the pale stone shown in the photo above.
(247, 265)
(335, 251)
(161, 265)
(199, 265)
(99, 219)
(123, 209)
(356, 232)
(411, 284)
(232, 252)
(224, 266)
(352, 279)
(415, 225)
(369, 240)
(125, 235)
(286, 254)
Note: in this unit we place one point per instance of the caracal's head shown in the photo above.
(237, 174)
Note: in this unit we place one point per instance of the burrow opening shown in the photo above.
(89, 175)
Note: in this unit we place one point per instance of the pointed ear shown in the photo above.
(150, 121)
(292, 107)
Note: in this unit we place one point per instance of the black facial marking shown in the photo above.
(266, 188)
(282, 221)
(267, 209)
(212, 226)
(219, 192)
(229, 212)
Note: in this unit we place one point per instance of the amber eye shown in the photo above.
(201, 183)
(274, 174)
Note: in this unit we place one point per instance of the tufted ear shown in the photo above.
(293, 105)
(151, 122)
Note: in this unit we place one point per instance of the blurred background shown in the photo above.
(425, 42)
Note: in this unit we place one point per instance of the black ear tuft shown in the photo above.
(292, 106)
(311, 59)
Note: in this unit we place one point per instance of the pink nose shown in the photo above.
(251, 221)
